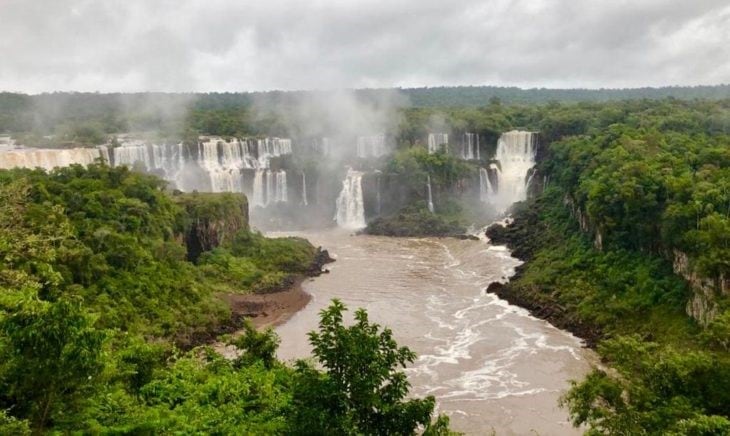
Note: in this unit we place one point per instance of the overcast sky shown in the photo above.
(234, 45)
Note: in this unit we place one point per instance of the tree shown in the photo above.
(361, 390)
(656, 390)
(51, 356)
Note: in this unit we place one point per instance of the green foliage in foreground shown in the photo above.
(654, 390)
(95, 290)
(361, 390)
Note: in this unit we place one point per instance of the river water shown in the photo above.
(490, 365)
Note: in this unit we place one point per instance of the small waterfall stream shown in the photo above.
(485, 188)
(430, 196)
(437, 141)
(305, 202)
(258, 188)
(470, 146)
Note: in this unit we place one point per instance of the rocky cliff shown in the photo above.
(211, 219)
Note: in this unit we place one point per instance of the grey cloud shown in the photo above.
(217, 45)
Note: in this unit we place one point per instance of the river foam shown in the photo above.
(490, 365)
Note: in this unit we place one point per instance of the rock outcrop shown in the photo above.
(703, 304)
(211, 220)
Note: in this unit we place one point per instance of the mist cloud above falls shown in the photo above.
(217, 45)
(335, 113)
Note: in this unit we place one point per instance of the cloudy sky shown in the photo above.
(249, 45)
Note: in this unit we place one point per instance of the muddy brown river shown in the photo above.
(490, 365)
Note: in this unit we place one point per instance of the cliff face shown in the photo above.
(212, 219)
(706, 291)
(703, 305)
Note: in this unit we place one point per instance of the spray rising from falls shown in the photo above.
(371, 146)
(304, 189)
(516, 156)
(350, 206)
(48, 159)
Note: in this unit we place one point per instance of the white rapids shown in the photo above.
(489, 364)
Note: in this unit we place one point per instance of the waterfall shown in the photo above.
(436, 141)
(430, 197)
(213, 164)
(350, 207)
(280, 188)
(47, 159)
(270, 193)
(269, 187)
(467, 148)
(478, 156)
(221, 162)
(131, 154)
(271, 147)
(485, 188)
(516, 156)
(258, 188)
(104, 151)
(304, 189)
(371, 146)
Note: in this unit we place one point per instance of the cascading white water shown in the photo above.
(223, 162)
(470, 146)
(281, 193)
(271, 147)
(220, 160)
(478, 153)
(350, 206)
(269, 187)
(304, 189)
(47, 159)
(258, 188)
(132, 153)
(436, 141)
(430, 197)
(104, 151)
(270, 193)
(516, 156)
(485, 187)
(371, 146)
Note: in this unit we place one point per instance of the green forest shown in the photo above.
(108, 284)
(627, 244)
(105, 323)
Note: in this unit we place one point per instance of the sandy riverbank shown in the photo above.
(270, 309)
